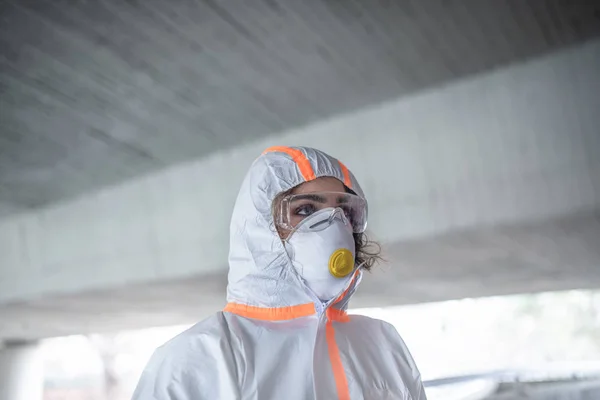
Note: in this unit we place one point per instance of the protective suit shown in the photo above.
(275, 339)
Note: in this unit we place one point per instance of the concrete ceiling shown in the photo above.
(93, 93)
(557, 254)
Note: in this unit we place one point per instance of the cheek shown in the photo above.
(296, 219)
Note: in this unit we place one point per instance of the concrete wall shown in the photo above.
(519, 143)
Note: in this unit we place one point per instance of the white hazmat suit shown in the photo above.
(274, 340)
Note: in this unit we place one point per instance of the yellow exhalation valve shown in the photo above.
(341, 263)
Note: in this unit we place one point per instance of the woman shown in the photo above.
(297, 251)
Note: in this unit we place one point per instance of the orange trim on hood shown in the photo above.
(299, 158)
(346, 173)
(271, 314)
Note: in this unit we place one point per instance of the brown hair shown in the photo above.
(368, 252)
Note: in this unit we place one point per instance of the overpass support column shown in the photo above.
(21, 371)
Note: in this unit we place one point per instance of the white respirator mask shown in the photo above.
(322, 251)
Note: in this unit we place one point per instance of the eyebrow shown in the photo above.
(342, 199)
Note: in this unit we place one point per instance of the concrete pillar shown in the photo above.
(21, 371)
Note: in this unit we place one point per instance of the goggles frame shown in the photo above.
(295, 208)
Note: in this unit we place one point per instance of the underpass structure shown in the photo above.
(127, 128)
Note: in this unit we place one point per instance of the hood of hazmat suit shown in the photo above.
(276, 340)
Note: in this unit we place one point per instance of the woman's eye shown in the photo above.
(305, 210)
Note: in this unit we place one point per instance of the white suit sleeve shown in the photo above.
(419, 390)
(195, 365)
(416, 388)
(169, 377)
(413, 376)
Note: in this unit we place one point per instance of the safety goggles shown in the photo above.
(294, 208)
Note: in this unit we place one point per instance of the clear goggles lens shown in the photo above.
(295, 208)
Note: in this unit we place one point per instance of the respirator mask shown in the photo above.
(320, 241)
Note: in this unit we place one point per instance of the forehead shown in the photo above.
(323, 184)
